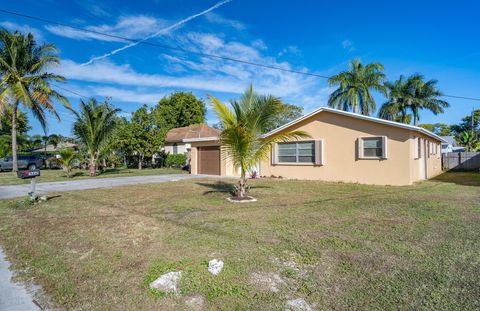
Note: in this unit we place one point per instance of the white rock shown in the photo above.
(298, 305)
(168, 282)
(215, 266)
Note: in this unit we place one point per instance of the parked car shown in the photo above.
(25, 162)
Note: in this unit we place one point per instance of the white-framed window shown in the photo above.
(298, 152)
(372, 147)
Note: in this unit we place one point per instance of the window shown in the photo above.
(372, 147)
(297, 152)
(175, 148)
(419, 148)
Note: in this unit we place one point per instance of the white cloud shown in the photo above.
(348, 45)
(289, 50)
(37, 34)
(96, 9)
(136, 26)
(216, 18)
(140, 96)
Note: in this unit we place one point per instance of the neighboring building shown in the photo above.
(52, 149)
(344, 147)
(450, 145)
(174, 141)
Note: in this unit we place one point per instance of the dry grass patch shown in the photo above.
(337, 246)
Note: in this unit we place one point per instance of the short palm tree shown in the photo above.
(67, 156)
(243, 128)
(355, 86)
(94, 125)
(25, 81)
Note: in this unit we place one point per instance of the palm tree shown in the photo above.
(425, 96)
(23, 66)
(355, 85)
(93, 127)
(468, 139)
(67, 156)
(243, 126)
(400, 95)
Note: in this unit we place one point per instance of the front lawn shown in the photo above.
(335, 245)
(9, 178)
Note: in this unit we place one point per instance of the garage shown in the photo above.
(209, 160)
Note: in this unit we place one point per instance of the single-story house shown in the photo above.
(450, 145)
(174, 140)
(345, 147)
(56, 148)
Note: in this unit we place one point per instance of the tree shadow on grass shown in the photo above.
(463, 178)
(224, 187)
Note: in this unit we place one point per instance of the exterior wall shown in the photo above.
(181, 147)
(340, 163)
(427, 162)
(226, 166)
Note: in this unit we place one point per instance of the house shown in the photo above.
(54, 149)
(450, 145)
(174, 140)
(345, 147)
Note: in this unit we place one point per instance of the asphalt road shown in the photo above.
(13, 191)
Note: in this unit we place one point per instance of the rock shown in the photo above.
(215, 266)
(167, 283)
(298, 305)
(267, 281)
(196, 302)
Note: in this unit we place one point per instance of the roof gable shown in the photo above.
(357, 116)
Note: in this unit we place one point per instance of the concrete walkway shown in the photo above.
(13, 191)
(13, 297)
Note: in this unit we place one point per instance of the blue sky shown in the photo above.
(436, 38)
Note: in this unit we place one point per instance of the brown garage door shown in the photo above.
(209, 160)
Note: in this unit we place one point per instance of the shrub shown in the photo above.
(176, 160)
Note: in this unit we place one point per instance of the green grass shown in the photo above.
(10, 178)
(336, 245)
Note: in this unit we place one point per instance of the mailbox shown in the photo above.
(28, 174)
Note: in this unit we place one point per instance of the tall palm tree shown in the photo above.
(243, 126)
(426, 96)
(94, 125)
(412, 94)
(355, 86)
(25, 81)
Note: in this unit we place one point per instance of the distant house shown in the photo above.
(450, 145)
(52, 149)
(344, 146)
(175, 140)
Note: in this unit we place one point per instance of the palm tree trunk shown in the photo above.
(415, 116)
(140, 160)
(14, 137)
(92, 166)
(242, 185)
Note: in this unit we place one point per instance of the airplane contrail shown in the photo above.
(158, 33)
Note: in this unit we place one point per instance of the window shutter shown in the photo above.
(274, 154)
(319, 152)
(384, 147)
(359, 148)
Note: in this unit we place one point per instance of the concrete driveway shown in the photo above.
(13, 191)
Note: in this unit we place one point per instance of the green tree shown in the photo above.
(25, 81)
(468, 140)
(355, 86)
(93, 127)
(466, 123)
(288, 112)
(6, 131)
(440, 129)
(398, 97)
(425, 96)
(179, 109)
(67, 156)
(244, 125)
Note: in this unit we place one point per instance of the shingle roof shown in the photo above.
(192, 131)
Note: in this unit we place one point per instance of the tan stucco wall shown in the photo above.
(418, 162)
(226, 166)
(340, 134)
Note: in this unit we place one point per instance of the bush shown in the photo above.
(176, 160)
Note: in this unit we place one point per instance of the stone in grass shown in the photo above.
(297, 305)
(215, 266)
(265, 281)
(167, 283)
